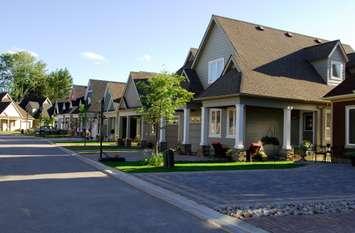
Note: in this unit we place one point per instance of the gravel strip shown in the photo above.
(283, 209)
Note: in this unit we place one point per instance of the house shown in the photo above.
(38, 107)
(66, 111)
(343, 110)
(12, 116)
(112, 96)
(257, 81)
(131, 125)
(94, 94)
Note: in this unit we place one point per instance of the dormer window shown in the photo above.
(215, 69)
(337, 70)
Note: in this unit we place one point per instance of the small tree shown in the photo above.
(161, 96)
(83, 118)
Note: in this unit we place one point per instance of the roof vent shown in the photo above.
(260, 28)
(319, 41)
(289, 34)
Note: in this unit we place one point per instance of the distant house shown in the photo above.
(112, 96)
(12, 116)
(66, 111)
(343, 110)
(37, 107)
(131, 124)
(94, 94)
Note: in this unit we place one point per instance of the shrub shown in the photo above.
(260, 156)
(156, 160)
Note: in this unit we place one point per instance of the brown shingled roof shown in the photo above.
(138, 75)
(98, 90)
(273, 64)
(77, 91)
(347, 87)
(116, 89)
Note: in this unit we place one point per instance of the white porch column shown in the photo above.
(186, 131)
(287, 129)
(204, 128)
(239, 126)
(128, 127)
(162, 137)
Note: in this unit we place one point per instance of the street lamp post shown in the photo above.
(101, 125)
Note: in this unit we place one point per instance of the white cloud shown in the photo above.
(95, 57)
(16, 50)
(145, 58)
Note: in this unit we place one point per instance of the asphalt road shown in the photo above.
(43, 190)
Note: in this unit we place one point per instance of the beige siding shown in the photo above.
(262, 122)
(217, 46)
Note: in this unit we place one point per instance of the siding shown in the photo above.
(131, 95)
(216, 46)
(339, 126)
(262, 122)
(195, 130)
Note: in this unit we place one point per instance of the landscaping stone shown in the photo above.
(292, 208)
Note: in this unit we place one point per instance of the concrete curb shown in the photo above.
(226, 223)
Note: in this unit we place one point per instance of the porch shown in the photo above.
(11, 124)
(238, 122)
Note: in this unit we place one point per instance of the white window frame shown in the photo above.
(210, 63)
(219, 111)
(228, 135)
(341, 70)
(347, 126)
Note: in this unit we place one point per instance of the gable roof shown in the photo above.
(351, 62)
(190, 58)
(322, 50)
(193, 83)
(228, 84)
(116, 89)
(273, 62)
(98, 88)
(2, 95)
(77, 91)
(139, 75)
(347, 87)
(3, 106)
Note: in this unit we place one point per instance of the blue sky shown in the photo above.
(105, 39)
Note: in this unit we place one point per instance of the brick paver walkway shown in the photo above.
(312, 182)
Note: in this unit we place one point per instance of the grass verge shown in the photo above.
(141, 167)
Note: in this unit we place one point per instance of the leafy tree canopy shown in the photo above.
(59, 84)
(161, 96)
(22, 74)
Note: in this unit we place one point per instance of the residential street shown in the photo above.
(44, 190)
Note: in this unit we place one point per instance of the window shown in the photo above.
(215, 123)
(215, 69)
(350, 126)
(230, 123)
(336, 70)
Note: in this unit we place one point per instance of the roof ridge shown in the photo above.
(273, 28)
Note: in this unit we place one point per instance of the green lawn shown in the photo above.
(140, 167)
